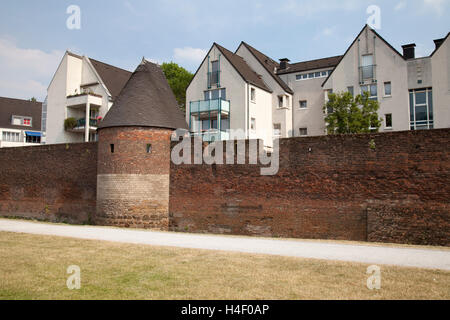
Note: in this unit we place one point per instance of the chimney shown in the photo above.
(284, 63)
(409, 51)
(438, 42)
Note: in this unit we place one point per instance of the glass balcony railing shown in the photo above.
(82, 122)
(218, 105)
(213, 135)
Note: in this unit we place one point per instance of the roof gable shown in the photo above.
(442, 44)
(353, 43)
(244, 70)
(146, 101)
(269, 64)
(114, 78)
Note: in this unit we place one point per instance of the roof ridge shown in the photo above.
(107, 64)
(331, 57)
(24, 100)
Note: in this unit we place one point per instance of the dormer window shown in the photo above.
(22, 121)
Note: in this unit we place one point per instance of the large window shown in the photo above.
(11, 136)
(367, 71)
(33, 139)
(421, 109)
(313, 75)
(372, 89)
(215, 94)
(214, 76)
(387, 89)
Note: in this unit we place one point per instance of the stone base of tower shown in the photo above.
(133, 200)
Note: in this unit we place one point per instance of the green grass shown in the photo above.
(34, 267)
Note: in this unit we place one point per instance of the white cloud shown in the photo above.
(26, 72)
(401, 5)
(436, 5)
(189, 55)
(308, 8)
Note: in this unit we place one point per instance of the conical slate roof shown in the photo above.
(145, 101)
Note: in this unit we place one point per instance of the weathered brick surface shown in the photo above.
(133, 185)
(336, 187)
(53, 183)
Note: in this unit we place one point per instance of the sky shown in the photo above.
(34, 34)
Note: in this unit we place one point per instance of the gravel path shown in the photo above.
(400, 256)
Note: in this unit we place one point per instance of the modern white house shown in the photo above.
(20, 123)
(265, 99)
(82, 91)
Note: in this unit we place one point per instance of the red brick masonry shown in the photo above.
(389, 187)
(54, 183)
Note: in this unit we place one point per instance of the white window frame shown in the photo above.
(275, 130)
(306, 76)
(22, 119)
(253, 124)
(370, 91)
(385, 121)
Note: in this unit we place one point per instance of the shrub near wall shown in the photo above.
(389, 187)
(53, 183)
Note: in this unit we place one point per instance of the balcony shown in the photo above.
(217, 105)
(213, 135)
(81, 124)
(81, 100)
(367, 73)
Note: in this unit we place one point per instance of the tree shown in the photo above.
(346, 114)
(179, 79)
(33, 99)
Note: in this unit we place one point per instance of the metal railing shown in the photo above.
(82, 122)
(367, 73)
(209, 105)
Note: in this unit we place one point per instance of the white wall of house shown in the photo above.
(440, 63)
(72, 73)
(390, 67)
(238, 93)
(281, 115)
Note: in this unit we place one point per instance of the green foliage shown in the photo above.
(33, 99)
(347, 114)
(179, 79)
(70, 123)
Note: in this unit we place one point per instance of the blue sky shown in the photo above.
(34, 36)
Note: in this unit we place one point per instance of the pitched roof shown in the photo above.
(243, 68)
(114, 78)
(330, 62)
(145, 101)
(270, 65)
(15, 107)
(438, 47)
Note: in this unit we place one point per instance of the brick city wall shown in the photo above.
(389, 187)
(133, 185)
(53, 183)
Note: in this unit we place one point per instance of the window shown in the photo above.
(388, 120)
(351, 91)
(224, 124)
(32, 139)
(11, 136)
(213, 77)
(367, 67)
(111, 146)
(21, 121)
(149, 148)
(303, 132)
(312, 75)
(421, 109)
(215, 94)
(277, 129)
(303, 104)
(372, 89)
(253, 94)
(280, 102)
(206, 125)
(387, 89)
(253, 124)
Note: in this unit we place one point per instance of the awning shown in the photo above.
(33, 134)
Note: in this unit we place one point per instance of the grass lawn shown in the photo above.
(34, 267)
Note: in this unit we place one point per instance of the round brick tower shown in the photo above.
(134, 152)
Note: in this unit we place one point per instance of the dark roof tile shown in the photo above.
(146, 101)
(17, 107)
(114, 78)
(330, 62)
